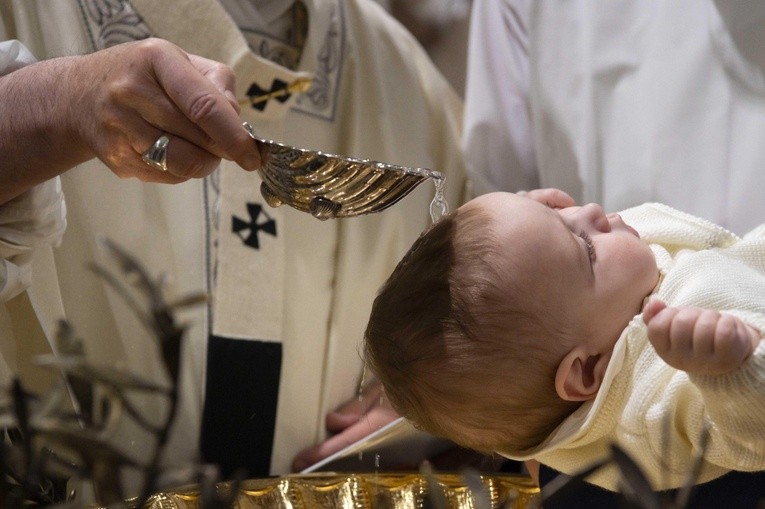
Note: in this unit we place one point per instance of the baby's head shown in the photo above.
(501, 318)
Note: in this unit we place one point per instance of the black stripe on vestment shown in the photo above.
(242, 389)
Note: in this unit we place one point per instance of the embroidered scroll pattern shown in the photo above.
(111, 22)
(324, 88)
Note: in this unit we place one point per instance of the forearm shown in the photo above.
(36, 138)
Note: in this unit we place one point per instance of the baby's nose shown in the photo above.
(596, 216)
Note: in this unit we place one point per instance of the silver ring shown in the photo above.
(156, 155)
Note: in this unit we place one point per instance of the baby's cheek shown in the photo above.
(641, 259)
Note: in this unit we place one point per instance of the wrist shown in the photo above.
(67, 111)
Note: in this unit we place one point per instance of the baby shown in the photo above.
(524, 326)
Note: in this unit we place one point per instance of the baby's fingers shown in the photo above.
(696, 340)
(730, 346)
(658, 318)
(670, 331)
(652, 309)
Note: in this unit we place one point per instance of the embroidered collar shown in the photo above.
(214, 34)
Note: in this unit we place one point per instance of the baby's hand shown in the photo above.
(550, 196)
(697, 340)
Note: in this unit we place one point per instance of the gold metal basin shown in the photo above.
(360, 491)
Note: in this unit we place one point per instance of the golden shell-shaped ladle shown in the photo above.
(330, 186)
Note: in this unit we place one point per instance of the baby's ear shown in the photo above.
(580, 374)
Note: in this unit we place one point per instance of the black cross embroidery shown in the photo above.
(259, 97)
(238, 225)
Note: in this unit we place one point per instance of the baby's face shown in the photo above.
(586, 268)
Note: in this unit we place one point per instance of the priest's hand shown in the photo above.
(115, 104)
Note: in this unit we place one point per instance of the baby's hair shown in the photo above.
(457, 352)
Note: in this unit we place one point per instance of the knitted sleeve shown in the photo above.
(732, 280)
(735, 407)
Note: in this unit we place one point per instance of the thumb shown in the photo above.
(652, 309)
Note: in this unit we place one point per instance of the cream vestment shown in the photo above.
(702, 265)
(299, 288)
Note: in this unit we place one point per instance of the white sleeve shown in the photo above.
(13, 56)
(498, 135)
(35, 218)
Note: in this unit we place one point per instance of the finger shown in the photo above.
(352, 410)
(369, 423)
(681, 331)
(203, 104)
(336, 422)
(144, 96)
(184, 160)
(222, 76)
(559, 199)
(704, 335)
(352, 406)
(135, 167)
(651, 309)
(368, 397)
(311, 455)
(302, 460)
(749, 337)
(731, 342)
(552, 197)
(160, 111)
(122, 153)
(164, 115)
(659, 329)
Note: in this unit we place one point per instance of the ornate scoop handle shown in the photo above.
(330, 186)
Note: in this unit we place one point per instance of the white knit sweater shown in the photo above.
(703, 265)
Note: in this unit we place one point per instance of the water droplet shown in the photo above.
(438, 207)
